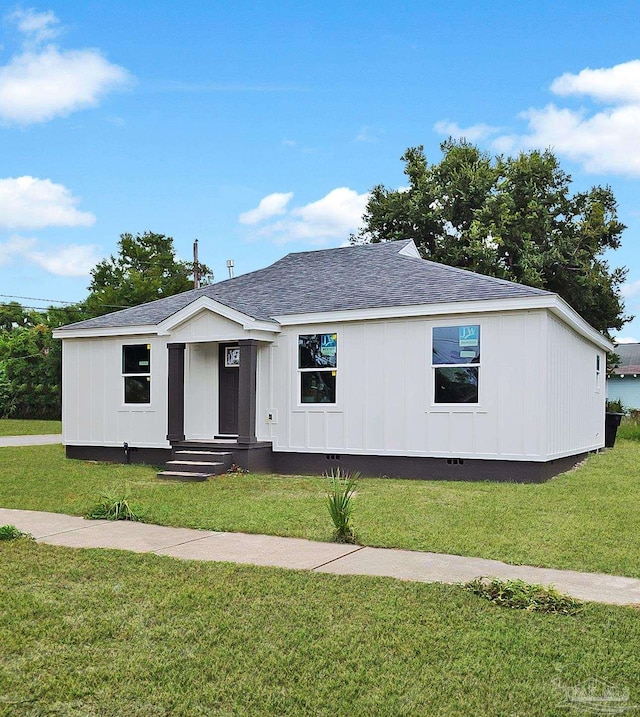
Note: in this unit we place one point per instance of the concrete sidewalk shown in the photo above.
(298, 554)
(40, 440)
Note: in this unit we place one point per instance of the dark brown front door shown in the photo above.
(228, 374)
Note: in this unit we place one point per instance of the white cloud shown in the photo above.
(70, 260)
(42, 82)
(65, 260)
(37, 86)
(602, 140)
(27, 202)
(37, 26)
(272, 205)
(332, 217)
(620, 83)
(14, 247)
(630, 340)
(473, 133)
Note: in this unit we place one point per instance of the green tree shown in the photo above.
(145, 269)
(514, 218)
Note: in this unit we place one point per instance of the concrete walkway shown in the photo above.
(298, 554)
(42, 440)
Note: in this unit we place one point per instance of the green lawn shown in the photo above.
(587, 519)
(106, 633)
(17, 427)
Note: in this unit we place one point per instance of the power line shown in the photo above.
(34, 298)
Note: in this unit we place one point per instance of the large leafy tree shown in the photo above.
(146, 268)
(515, 218)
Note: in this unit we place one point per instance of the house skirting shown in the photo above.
(418, 468)
(260, 458)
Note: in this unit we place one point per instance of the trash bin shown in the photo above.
(611, 423)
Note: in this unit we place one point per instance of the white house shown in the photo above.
(366, 357)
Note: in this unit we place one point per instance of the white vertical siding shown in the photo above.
(94, 413)
(385, 393)
(201, 391)
(575, 415)
(625, 389)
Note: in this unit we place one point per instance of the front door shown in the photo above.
(228, 382)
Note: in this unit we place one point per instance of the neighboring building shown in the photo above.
(623, 383)
(364, 357)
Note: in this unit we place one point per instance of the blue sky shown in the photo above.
(259, 127)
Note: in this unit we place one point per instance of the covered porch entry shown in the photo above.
(212, 369)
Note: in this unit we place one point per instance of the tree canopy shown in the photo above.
(510, 217)
(145, 269)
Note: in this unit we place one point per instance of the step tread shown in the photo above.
(189, 474)
(185, 462)
(202, 453)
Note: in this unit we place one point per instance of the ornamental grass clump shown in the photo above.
(10, 532)
(523, 596)
(114, 506)
(339, 502)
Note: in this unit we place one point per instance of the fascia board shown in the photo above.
(400, 312)
(571, 317)
(141, 330)
(248, 323)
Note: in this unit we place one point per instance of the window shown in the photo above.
(597, 370)
(136, 371)
(317, 366)
(456, 363)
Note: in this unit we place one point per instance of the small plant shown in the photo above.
(339, 497)
(523, 596)
(235, 468)
(10, 532)
(615, 406)
(114, 507)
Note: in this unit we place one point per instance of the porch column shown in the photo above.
(175, 396)
(247, 391)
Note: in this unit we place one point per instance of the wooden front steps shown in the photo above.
(198, 463)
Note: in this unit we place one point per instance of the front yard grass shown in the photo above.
(20, 427)
(105, 633)
(587, 519)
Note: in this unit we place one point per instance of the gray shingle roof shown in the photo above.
(629, 359)
(357, 277)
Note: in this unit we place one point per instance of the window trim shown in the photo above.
(134, 374)
(333, 370)
(435, 366)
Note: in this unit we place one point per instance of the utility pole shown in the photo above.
(196, 266)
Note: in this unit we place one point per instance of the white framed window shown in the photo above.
(136, 373)
(455, 363)
(317, 367)
(597, 370)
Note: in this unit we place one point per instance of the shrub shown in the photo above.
(339, 497)
(114, 507)
(615, 406)
(523, 596)
(10, 532)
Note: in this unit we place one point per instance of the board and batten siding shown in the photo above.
(575, 393)
(385, 391)
(93, 408)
